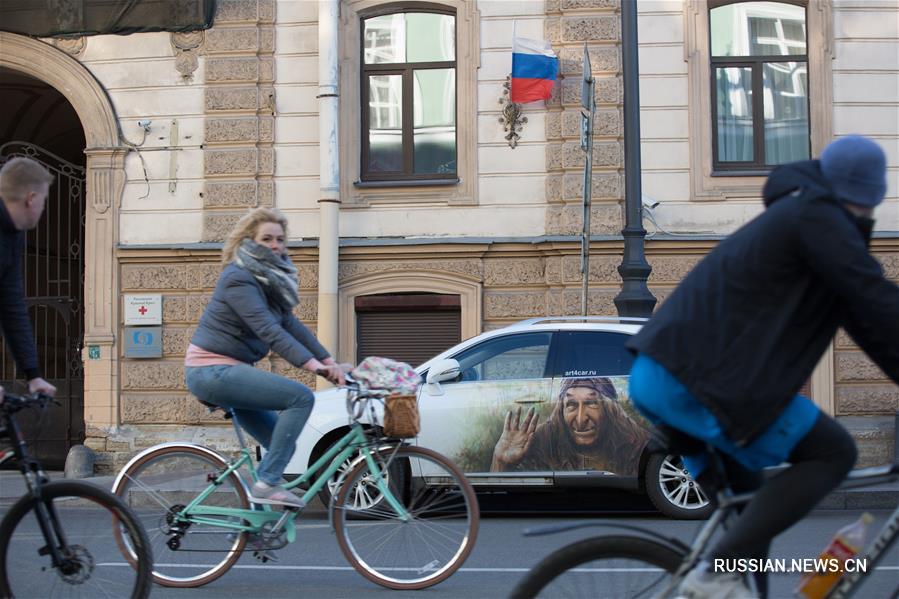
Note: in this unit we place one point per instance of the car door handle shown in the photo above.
(529, 401)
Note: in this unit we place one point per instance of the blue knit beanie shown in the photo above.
(856, 169)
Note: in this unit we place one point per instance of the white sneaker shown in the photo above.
(702, 584)
(274, 495)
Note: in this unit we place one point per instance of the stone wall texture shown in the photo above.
(239, 101)
(569, 25)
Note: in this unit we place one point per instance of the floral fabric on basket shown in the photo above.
(383, 373)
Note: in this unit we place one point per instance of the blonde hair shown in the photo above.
(247, 226)
(21, 175)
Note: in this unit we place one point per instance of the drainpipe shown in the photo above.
(329, 173)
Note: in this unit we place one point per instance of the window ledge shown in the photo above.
(405, 183)
(739, 173)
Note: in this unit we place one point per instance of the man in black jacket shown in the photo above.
(723, 359)
(24, 185)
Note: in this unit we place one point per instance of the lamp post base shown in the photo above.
(635, 299)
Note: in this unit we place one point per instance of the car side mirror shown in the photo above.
(444, 370)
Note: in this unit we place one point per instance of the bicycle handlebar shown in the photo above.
(322, 372)
(354, 385)
(13, 402)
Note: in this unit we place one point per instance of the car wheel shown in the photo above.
(673, 491)
(362, 497)
(333, 485)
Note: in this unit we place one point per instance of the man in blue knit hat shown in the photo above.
(722, 360)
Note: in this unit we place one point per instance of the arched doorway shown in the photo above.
(104, 158)
(458, 294)
(38, 122)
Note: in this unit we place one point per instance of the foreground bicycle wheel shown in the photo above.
(611, 567)
(427, 548)
(158, 485)
(85, 522)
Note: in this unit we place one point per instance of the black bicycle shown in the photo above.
(642, 563)
(60, 538)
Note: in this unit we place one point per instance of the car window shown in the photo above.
(512, 357)
(592, 353)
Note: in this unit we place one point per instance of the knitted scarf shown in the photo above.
(277, 273)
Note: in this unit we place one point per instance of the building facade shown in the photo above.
(381, 129)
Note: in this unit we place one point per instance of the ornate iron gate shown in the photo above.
(54, 290)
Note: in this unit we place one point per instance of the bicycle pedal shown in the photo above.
(265, 556)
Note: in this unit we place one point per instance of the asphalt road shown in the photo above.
(314, 566)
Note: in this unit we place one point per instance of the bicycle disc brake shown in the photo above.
(77, 565)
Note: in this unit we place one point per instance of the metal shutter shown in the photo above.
(399, 330)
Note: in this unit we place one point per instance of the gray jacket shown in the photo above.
(240, 322)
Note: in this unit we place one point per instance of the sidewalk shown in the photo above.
(882, 497)
(12, 486)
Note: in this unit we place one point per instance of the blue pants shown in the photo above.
(820, 451)
(254, 395)
(662, 398)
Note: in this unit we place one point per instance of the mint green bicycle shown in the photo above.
(405, 516)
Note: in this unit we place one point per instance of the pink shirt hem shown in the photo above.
(197, 356)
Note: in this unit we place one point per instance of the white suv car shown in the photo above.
(540, 403)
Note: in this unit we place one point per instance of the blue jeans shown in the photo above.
(254, 395)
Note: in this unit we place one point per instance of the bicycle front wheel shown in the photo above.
(158, 486)
(82, 522)
(610, 567)
(430, 543)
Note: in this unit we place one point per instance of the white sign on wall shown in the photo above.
(143, 309)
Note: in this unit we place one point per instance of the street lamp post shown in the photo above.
(635, 298)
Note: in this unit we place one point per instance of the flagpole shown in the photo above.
(588, 102)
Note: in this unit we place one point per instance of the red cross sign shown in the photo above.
(143, 309)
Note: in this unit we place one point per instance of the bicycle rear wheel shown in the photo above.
(610, 567)
(157, 486)
(83, 522)
(427, 548)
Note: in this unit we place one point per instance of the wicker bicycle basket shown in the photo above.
(401, 418)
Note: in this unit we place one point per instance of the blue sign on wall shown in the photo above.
(143, 342)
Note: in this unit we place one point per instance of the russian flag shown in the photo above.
(535, 68)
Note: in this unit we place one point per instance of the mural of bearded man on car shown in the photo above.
(587, 430)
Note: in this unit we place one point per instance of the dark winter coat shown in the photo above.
(14, 322)
(746, 327)
(243, 323)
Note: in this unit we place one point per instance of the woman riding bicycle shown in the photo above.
(250, 314)
(723, 358)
